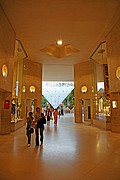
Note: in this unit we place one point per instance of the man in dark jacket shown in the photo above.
(40, 124)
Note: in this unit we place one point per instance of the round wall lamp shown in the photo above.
(32, 89)
(118, 72)
(83, 89)
(4, 71)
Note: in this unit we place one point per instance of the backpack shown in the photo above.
(41, 122)
(44, 120)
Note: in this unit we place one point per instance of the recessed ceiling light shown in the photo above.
(59, 42)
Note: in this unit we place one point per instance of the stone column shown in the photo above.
(7, 43)
(33, 77)
(82, 77)
(113, 53)
(115, 112)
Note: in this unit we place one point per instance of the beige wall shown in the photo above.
(113, 52)
(51, 72)
(82, 76)
(7, 42)
(7, 39)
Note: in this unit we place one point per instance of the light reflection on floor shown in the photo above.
(71, 151)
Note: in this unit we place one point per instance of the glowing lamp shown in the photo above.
(32, 89)
(4, 71)
(84, 89)
(23, 89)
(59, 42)
(118, 72)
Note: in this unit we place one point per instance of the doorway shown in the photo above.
(86, 111)
(30, 106)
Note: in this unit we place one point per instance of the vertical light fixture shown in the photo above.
(4, 71)
(23, 89)
(118, 72)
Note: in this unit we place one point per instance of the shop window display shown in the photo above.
(18, 83)
(100, 77)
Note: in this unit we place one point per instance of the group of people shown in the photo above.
(37, 124)
(49, 115)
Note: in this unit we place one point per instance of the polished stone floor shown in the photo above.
(71, 151)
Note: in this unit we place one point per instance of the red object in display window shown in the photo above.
(6, 104)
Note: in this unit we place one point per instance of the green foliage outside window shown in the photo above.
(69, 100)
(44, 102)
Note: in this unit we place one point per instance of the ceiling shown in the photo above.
(83, 24)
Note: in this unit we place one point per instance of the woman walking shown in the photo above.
(55, 114)
(29, 127)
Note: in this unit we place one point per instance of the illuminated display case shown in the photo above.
(100, 78)
(18, 83)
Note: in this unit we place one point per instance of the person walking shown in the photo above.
(48, 114)
(36, 119)
(59, 113)
(55, 114)
(40, 124)
(29, 127)
(62, 111)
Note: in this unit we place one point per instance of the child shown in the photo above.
(29, 127)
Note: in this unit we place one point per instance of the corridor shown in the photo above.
(71, 151)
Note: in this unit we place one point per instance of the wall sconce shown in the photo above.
(114, 104)
(4, 71)
(83, 89)
(32, 89)
(118, 72)
(23, 89)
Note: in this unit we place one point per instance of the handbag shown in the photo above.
(32, 130)
(44, 120)
(51, 118)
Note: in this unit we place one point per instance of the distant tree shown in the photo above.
(44, 102)
(69, 100)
